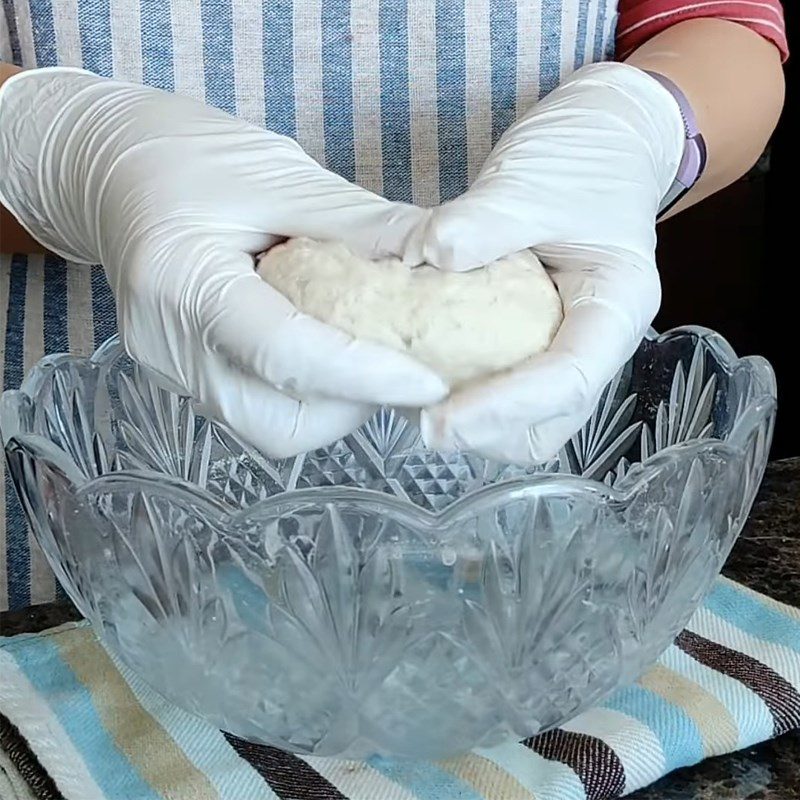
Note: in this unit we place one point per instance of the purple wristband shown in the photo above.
(693, 161)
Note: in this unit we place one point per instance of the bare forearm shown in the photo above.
(734, 82)
(13, 238)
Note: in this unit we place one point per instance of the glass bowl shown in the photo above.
(375, 597)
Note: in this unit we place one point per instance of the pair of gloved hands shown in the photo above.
(174, 197)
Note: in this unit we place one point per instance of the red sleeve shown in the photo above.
(640, 20)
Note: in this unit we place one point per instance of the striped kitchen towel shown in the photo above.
(89, 729)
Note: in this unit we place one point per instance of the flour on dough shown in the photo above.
(462, 325)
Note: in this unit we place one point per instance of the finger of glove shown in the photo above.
(472, 231)
(545, 387)
(609, 297)
(515, 443)
(262, 333)
(592, 344)
(277, 425)
(369, 225)
(289, 194)
(272, 422)
(285, 192)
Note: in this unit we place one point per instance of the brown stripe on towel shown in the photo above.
(593, 761)
(287, 775)
(782, 699)
(28, 766)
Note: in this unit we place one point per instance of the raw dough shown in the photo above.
(462, 325)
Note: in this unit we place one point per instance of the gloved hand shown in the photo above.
(578, 179)
(173, 198)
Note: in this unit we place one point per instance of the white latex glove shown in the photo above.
(173, 198)
(578, 179)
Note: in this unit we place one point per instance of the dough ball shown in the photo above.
(462, 325)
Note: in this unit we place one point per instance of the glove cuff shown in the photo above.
(693, 161)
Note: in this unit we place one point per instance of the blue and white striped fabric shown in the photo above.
(405, 97)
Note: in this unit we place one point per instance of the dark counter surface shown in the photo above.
(766, 558)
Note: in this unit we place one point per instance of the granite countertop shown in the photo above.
(766, 558)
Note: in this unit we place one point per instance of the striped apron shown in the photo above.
(405, 97)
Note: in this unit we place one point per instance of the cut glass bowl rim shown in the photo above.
(761, 405)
